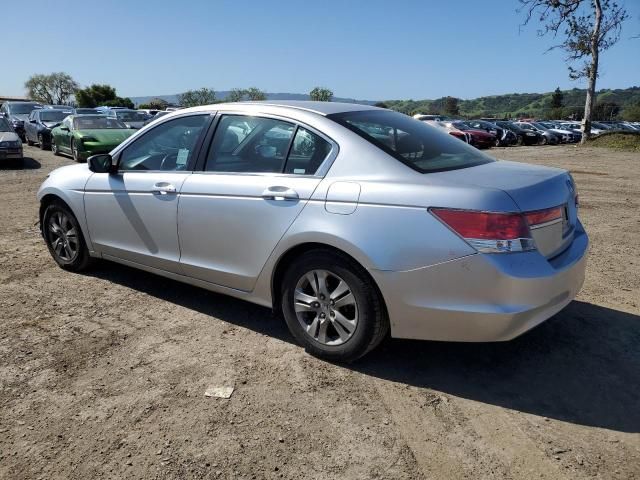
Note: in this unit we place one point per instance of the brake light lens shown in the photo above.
(489, 232)
(543, 216)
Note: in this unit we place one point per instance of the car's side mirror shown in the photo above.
(33, 121)
(64, 129)
(102, 163)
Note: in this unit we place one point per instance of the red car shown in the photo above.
(478, 138)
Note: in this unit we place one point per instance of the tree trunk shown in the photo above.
(593, 74)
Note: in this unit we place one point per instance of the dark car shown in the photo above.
(547, 136)
(504, 137)
(523, 137)
(41, 121)
(17, 113)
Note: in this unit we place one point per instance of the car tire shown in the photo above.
(29, 142)
(544, 140)
(41, 144)
(64, 238)
(74, 151)
(54, 147)
(351, 298)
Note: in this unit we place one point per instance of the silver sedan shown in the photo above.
(352, 221)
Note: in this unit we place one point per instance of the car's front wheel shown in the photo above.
(74, 151)
(29, 142)
(64, 239)
(41, 143)
(54, 146)
(332, 307)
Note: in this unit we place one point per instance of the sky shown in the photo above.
(363, 49)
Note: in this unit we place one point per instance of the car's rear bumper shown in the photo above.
(482, 297)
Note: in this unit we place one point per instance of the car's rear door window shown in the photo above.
(414, 143)
(307, 153)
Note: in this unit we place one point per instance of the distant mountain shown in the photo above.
(270, 96)
(520, 104)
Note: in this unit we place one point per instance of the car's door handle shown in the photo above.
(163, 188)
(280, 193)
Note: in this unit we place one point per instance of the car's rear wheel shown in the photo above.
(74, 151)
(332, 307)
(54, 147)
(544, 140)
(64, 239)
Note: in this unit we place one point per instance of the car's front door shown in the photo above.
(259, 174)
(132, 214)
(66, 132)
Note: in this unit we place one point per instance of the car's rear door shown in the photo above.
(132, 215)
(259, 174)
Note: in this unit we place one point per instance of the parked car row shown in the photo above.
(487, 132)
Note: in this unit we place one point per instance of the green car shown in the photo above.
(84, 135)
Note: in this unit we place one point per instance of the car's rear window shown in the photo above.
(416, 144)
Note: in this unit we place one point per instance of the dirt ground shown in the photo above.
(103, 374)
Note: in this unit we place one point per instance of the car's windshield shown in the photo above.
(23, 108)
(130, 116)
(52, 115)
(416, 144)
(540, 126)
(4, 125)
(95, 122)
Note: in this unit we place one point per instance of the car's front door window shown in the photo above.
(169, 146)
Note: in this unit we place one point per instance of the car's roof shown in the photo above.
(322, 108)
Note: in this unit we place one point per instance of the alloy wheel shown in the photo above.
(74, 151)
(325, 307)
(63, 236)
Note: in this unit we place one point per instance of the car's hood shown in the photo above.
(107, 135)
(532, 187)
(8, 137)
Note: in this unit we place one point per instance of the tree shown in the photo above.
(193, 98)
(381, 105)
(606, 111)
(101, 95)
(154, 104)
(235, 95)
(589, 27)
(632, 113)
(321, 94)
(255, 94)
(54, 88)
(557, 98)
(451, 106)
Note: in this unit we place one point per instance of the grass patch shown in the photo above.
(629, 141)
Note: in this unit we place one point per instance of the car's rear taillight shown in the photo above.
(489, 232)
(540, 217)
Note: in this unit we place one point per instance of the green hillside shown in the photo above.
(613, 104)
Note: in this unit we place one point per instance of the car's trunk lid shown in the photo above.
(532, 188)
